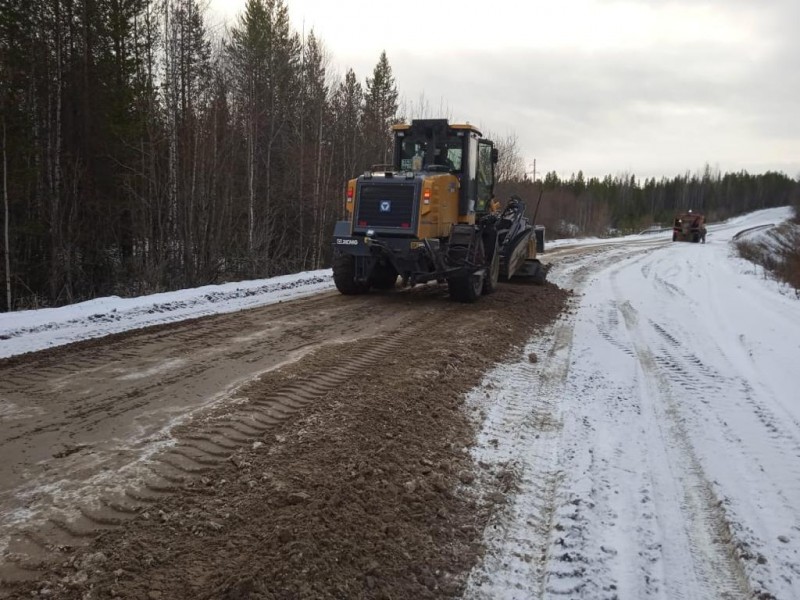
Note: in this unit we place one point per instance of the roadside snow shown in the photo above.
(656, 440)
(31, 330)
(756, 219)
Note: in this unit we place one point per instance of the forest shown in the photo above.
(142, 153)
(623, 204)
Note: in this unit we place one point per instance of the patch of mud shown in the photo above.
(361, 493)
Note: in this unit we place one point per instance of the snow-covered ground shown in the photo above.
(656, 440)
(31, 330)
(755, 220)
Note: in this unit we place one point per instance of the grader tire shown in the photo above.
(344, 276)
(465, 288)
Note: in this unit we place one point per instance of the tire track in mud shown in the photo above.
(95, 353)
(166, 319)
(356, 489)
(197, 453)
(73, 411)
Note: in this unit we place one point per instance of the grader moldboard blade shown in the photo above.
(517, 245)
(534, 270)
(513, 252)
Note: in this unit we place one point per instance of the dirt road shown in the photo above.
(637, 439)
(331, 422)
(93, 411)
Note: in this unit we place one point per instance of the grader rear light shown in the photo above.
(426, 197)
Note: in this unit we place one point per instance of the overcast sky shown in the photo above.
(650, 87)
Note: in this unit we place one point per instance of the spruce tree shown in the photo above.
(380, 111)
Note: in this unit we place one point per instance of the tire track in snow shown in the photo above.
(734, 406)
(604, 544)
(709, 380)
(647, 504)
(580, 557)
(609, 329)
(716, 565)
(521, 436)
(548, 542)
(743, 439)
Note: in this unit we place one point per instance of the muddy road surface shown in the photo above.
(91, 412)
(307, 449)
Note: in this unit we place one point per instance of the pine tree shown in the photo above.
(315, 118)
(348, 108)
(187, 77)
(249, 52)
(265, 55)
(380, 110)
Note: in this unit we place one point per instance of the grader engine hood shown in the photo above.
(387, 204)
(420, 204)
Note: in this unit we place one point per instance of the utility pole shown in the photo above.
(533, 164)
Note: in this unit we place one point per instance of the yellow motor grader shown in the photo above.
(431, 216)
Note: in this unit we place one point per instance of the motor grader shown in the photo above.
(431, 216)
(689, 227)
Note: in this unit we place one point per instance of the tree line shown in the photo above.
(623, 204)
(142, 153)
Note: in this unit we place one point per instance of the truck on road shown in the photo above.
(689, 227)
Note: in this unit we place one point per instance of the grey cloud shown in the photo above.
(563, 102)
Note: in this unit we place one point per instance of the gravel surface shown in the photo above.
(345, 472)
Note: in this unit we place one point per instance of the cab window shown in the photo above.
(448, 153)
(410, 149)
(455, 152)
(485, 175)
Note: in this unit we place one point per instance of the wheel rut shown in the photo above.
(196, 454)
(707, 531)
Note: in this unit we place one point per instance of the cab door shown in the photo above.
(487, 157)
